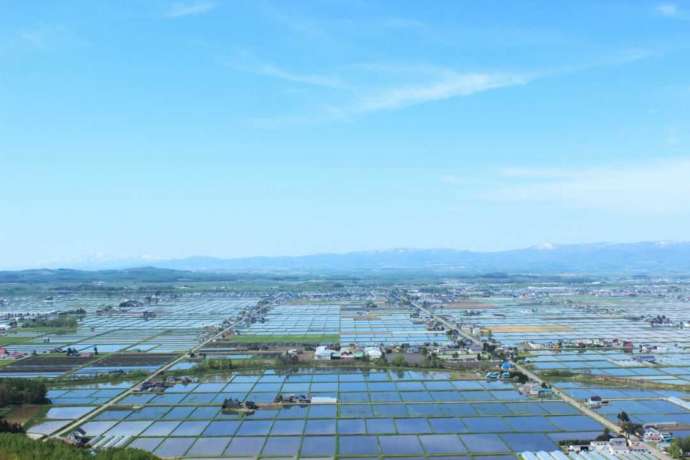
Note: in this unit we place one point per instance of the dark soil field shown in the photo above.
(47, 363)
(135, 359)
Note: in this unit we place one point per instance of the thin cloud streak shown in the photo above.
(456, 85)
(650, 189)
(535, 173)
(433, 84)
(367, 100)
(245, 61)
(667, 9)
(308, 79)
(182, 9)
(406, 84)
(671, 10)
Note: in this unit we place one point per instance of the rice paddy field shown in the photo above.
(353, 323)
(355, 413)
(672, 367)
(176, 326)
(658, 354)
(374, 413)
(512, 322)
(179, 324)
(643, 406)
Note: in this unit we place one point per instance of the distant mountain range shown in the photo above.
(629, 258)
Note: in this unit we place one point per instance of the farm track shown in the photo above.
(114, 401)
(568, 399)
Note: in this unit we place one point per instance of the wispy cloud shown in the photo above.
(452, 179)
(398, 86)
(436, 85)
(454, 85)
(667, 9)
(651, 188)
(432, 83)
(672, 10)
(181, 9)
(46, 37)
(534, 173)
(36, 38)
(291, 20)
(245, 61)
(403, 24)
(271, 70)
(369, 87)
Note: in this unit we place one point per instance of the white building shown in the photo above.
(323, 353)
(373, 352)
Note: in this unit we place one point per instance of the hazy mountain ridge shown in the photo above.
(643, 257)
(132, 275)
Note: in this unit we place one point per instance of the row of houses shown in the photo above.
(535, 390)
(598, 343)
(614, 446)
(8, 315)
(5, 354)
(325, 353)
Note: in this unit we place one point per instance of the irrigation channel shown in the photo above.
(165, 367)
(579, 405)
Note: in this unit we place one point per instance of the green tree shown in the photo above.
(218, 364)
(19, 447)
(680, 447)
(399, 361)
(521, 378)
(22, 391)
(8, 427)
(632, 428)
(674, 450)
(605, 436)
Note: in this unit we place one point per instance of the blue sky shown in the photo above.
(161, 129)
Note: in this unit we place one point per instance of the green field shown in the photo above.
(307, 339)
(49, 330)
(14, 340)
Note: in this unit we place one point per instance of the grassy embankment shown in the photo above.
(284, 339)
(20, 447)
(14, 340)
(554, 376)
(25, 415)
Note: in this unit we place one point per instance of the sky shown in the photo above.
(163, 129)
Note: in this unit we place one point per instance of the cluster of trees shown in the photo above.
(628, 426)
(9, 427)
(520, 377)
(217, 364)
(488, 347)
(61, 322)
(285, 359)
(605, 436)
(22, 391)
(399, 361)
(381, 362)
(19, 447)
(679, 448)
(432, 361)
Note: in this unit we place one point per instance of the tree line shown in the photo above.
(22, 391)
(19, 447)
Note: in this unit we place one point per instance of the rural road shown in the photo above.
(164, 368)
(579, 405)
